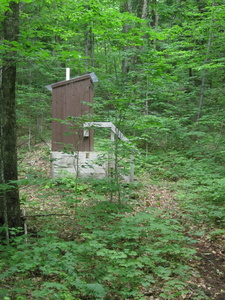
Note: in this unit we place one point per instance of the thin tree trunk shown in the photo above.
(3, 203)
(202, 92)
(86, 47)
(89, 48)
(145, 9)
(126, 7)
(92, 44)
(155, 19)
(201, 95)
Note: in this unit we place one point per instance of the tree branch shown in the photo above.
(42, 215)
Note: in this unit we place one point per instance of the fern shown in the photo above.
(96, 289)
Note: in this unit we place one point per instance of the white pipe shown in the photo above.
(67, 73)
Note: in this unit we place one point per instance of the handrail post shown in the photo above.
(112, 156)
(131, 167)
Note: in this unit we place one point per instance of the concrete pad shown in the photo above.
(82, 164)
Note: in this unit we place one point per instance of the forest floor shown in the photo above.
(211, 252)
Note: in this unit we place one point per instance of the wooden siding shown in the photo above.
(68, 101)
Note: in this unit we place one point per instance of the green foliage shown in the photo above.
(106, 254)
(199, 179)
(217, 233)
(67, 183)
(155, 101)
(158, 96)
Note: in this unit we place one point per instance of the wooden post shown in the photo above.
(132, 167)
(112, 158)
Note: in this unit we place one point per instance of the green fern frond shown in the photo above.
(96, 289)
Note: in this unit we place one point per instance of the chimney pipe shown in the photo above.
(67, 73)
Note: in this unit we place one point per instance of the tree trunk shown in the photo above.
(9, 194)
(202, 92)
(125, 7)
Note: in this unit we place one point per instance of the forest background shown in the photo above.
(160, 65)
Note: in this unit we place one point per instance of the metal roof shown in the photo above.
(94, 78)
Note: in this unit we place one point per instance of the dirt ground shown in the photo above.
(211, 268)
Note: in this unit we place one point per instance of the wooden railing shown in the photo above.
(114, 131)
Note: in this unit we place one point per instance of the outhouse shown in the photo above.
(72, 144)
(72, 130)
(72, 100)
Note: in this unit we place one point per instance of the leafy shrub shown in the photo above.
(116, 255)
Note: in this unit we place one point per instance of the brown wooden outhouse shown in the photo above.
(72, 98)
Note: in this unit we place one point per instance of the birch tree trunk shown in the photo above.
(9, 194)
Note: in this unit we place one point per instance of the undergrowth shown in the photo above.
(105, 249)
(114, 255)
(200, 184)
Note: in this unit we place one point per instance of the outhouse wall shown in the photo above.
(69, 98)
